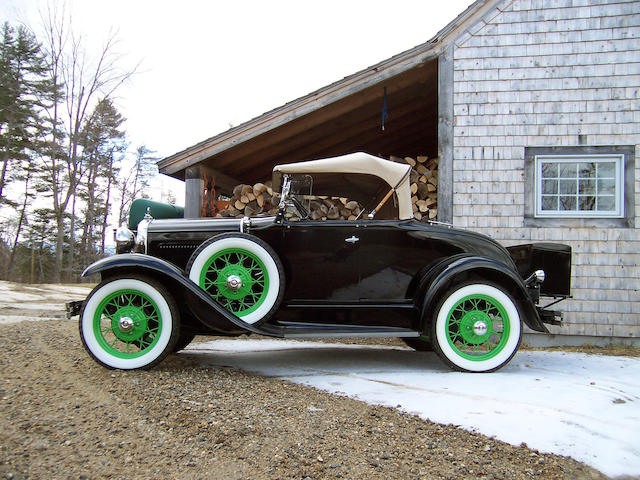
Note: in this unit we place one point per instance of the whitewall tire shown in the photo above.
(129, 323)
(477, 328)
(242, 273)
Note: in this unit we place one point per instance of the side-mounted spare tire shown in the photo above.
(477, 328)
(129, 323)
(242, 273)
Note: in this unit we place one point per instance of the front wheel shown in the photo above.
(477, 328)
(129, 323)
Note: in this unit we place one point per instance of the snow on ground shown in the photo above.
(583, 406)
(19, 302)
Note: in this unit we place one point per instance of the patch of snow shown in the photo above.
(20, 302)
(583, 406)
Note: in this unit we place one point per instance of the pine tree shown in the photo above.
(24, 90)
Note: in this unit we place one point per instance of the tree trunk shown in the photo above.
(106, 204)
(20, 222)
(5, 157)
(72, 241)
(57, 269)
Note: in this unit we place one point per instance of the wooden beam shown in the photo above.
(445, 135)
(193, 185)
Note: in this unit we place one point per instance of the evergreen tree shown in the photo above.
(24, 90)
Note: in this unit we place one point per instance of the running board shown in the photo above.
(315, 330)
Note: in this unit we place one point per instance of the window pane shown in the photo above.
(568, 186)
(549, 170)
(587, 170)
(587, 203)
(579, 186)
(568, 170)
(606, 169)
(567, 203)
(549, 203)
(587, 187)
(606, 203)
(607, 187)
(549, 186)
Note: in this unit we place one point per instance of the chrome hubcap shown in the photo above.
(479, 328)
(125, 324)
(234, 282)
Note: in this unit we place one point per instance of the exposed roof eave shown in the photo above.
(356, 82)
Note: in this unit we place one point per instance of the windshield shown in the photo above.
(336, 196)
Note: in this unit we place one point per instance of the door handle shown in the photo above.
(352, 239)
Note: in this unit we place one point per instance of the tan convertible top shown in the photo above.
(394, 174)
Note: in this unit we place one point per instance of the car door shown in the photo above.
(323, 261)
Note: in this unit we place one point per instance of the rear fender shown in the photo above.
(439, 279)
(205, 308)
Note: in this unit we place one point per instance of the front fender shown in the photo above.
(162, 269)
(438, 280)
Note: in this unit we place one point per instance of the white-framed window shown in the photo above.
(573, 186)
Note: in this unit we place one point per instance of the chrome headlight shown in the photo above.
(125, 240)
(141, 237)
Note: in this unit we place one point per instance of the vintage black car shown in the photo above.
(383, 274)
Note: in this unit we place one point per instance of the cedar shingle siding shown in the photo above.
(561, 73)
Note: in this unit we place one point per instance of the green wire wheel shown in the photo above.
(129, 323)
(240, 272)
(477, 328)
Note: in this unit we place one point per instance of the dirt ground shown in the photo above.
(64, 416)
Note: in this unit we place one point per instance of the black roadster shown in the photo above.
(383, 274)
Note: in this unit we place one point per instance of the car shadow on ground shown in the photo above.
(316, 360)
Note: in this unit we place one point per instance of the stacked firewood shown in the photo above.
(424, 186)
(332, 208)
(260, 199)
(251, 201)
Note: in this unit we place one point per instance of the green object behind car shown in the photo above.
(156, 209)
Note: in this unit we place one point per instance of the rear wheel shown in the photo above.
(477, 328)
(129, 323)
(242, 273)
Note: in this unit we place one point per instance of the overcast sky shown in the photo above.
(209, 65)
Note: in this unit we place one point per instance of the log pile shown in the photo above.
(332, 208)
(251, 201)
(424, 186)
(260, 199)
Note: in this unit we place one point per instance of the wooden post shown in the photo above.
(445, 135)
(193, 192)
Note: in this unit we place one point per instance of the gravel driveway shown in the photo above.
(63, 416)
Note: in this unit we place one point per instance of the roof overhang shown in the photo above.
(361, 90)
